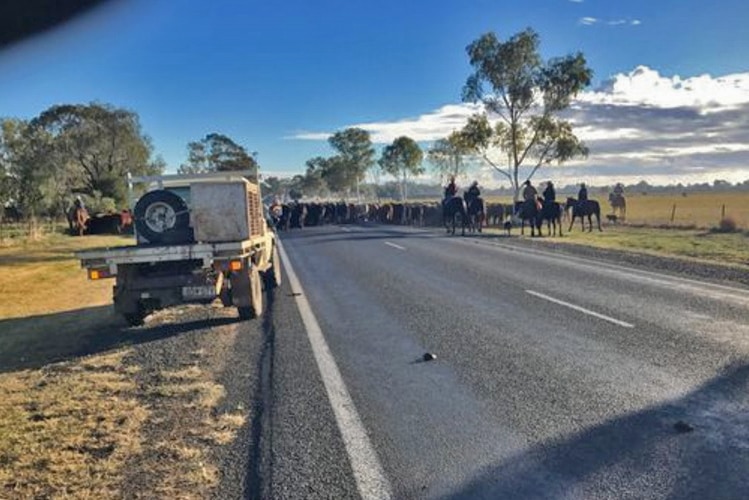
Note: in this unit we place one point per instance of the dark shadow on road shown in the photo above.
(35, 341)
(641, 455)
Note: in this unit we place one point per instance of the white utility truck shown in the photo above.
(198, 237)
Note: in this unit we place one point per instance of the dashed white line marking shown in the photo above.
(368, 473)
(394, 245)
(346, 229)
(581, 309)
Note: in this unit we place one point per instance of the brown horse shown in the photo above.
(618, 202)
(78, 220)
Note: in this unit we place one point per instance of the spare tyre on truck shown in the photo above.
(198, 238)
(162, 217)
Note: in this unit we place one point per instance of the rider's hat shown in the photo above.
(528, 182)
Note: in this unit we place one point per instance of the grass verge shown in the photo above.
(73, 427)
(698, 245)
(69, 429)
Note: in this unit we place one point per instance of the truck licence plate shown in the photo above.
(198, 292)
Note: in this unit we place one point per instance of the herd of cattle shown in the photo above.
(477, 215)
(299, 215)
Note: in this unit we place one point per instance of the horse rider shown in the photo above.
(451, 189)
(530, 193)
(582, 195)
(472, 193)
(78, 203)
(619, 190)
(550, 194)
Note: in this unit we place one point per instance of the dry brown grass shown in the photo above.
(39, 277)
(702, 210)
(68, 429)
(82, 428)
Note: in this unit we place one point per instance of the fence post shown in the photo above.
(723, 212)
(673, 212)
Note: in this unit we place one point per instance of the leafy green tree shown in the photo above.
(8, 184)
(217, 153)
(97, 144)
(30, 160)
(447, 156)
(527, 94)
(402, 159)
(313, 183)
(355, 156)
(272, 185)
(337, 174)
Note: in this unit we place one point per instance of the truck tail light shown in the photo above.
(97, 274)
(235, 265)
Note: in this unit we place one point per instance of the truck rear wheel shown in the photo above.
(136, 318)
(255, 308)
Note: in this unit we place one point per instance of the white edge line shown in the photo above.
(581, 309)
(370, 477)
(394, 245)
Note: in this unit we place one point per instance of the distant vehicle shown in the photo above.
(198, 237)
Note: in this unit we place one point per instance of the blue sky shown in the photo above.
(276, 76)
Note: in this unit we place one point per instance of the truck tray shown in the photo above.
(207, 252)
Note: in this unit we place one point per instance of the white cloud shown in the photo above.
(427, 127)
(646, 87)
(310, 136)
(638, 125)
(590, 21)
(577, 1)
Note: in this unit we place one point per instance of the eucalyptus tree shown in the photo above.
(98, 144)
(402, 159)
(447, 156)
(355, 156)
(527, 95)
(217, 153)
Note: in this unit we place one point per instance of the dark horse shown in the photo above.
(582, 209)
(528, 211)
(551, 212)
(451, 209)
(476, 213)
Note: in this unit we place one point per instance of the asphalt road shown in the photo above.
(554, 376)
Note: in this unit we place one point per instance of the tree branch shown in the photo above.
(541, 159)
(496, 167)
